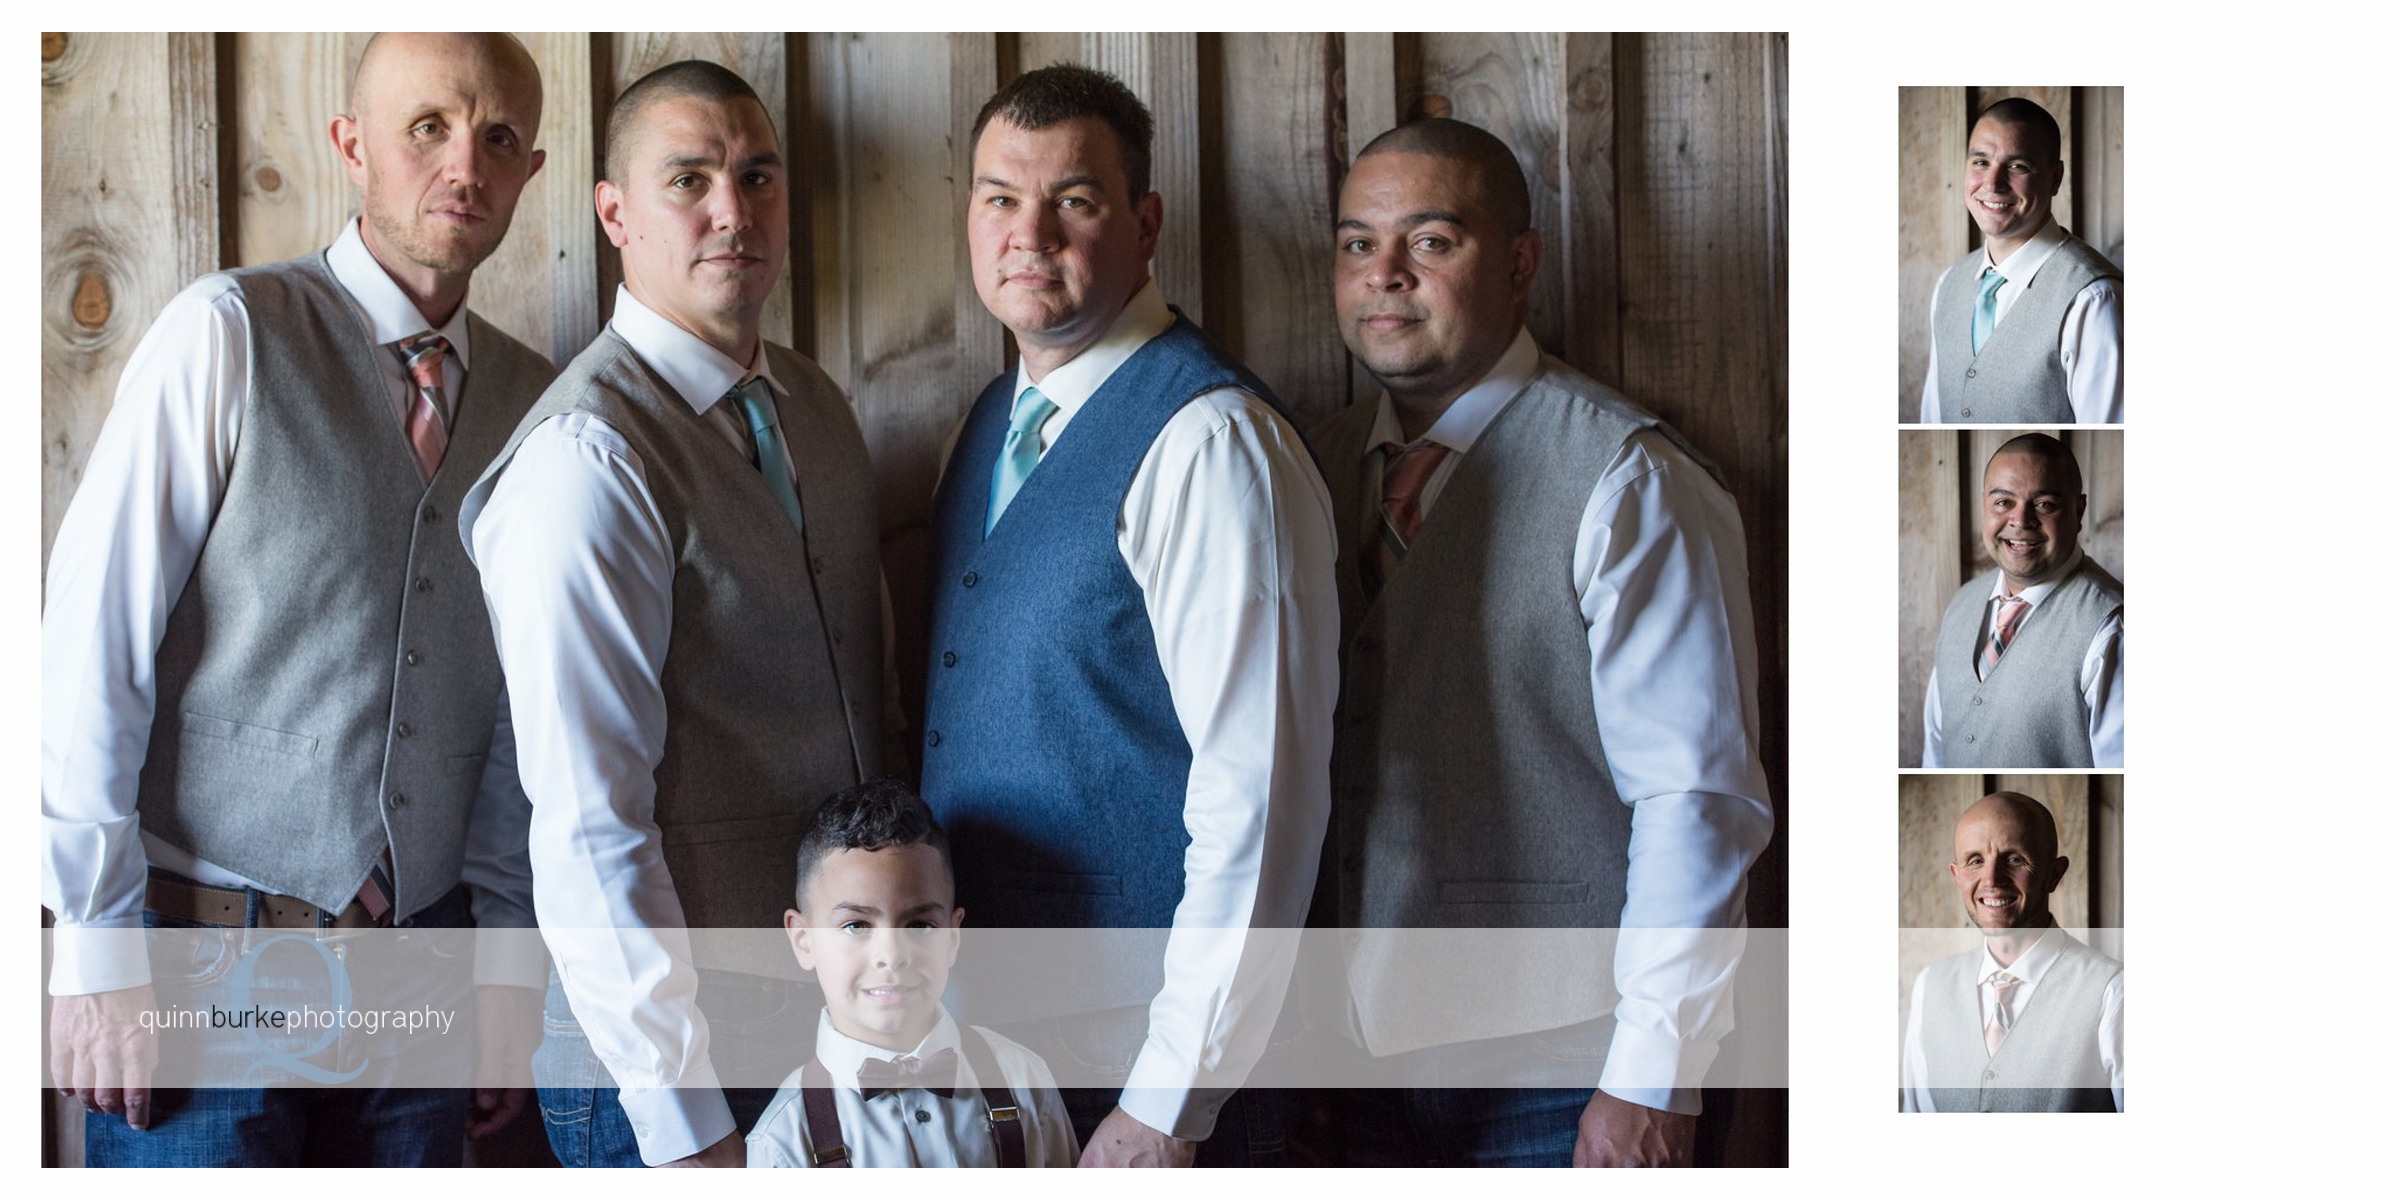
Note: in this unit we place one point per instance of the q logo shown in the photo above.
(338, 980)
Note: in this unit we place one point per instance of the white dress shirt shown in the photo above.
(2091, 342)
(1665, 596)
(912, 1127)
(125, 549)
(579, 572)
(2102, 678)
(1228, 531)
(1916, 1087)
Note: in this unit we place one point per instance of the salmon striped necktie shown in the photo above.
(2004, 631)
(1402, 513)
(427, 422)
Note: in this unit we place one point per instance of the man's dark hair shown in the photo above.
(876, 815)
(2017, 110)
(1065, 92)
(2051, 451)
(1473, 148)
(691, 77)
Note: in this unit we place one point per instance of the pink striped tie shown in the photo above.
(428, 430)
(1405, 474)
(2004, 631)
(1995, 1031)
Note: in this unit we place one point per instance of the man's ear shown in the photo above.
(2058, 875)
(1152, 212)
(608, 202)
(795, 930)
(346, 144)
(539, 157)
(958, 921)
(1524, 259)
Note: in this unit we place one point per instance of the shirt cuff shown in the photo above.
(677, 1122)
(98, 958)
(511, 957)
(1162, 1096)
(1655, 1071)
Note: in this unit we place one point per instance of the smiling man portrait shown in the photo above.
(1977, 1041)
(2029, 664)
(2029, 328)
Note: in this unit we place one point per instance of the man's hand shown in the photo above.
(1122, 1141)
(101, 1055)
(730, 1151)
(1620, 1133)
(508, 1027)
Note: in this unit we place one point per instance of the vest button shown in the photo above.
(1991, 1075)
(1978, 699)
(933, 737)
(411, 658)
(1970, 372)
(432, 514)
(923, 1116)
(397, 801)
(949, 659)
(424, 583)
(1970, 737)
(817, 564)
(403, 729)
(1966, 412)
(967, 580)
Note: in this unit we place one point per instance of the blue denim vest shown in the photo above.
(1052, 751)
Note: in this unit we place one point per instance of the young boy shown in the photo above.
(896, 1082)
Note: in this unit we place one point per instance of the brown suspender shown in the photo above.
(999, 1107)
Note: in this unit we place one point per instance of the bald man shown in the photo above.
(270, 696)
(2029, 665)
(2029, 328)
(1549, 706)
(1977, 1040)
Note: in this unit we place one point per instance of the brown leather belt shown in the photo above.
(231, 906)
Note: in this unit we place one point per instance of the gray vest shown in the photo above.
(2030, 713)
(2017, 380)
(327, 682)
(2050, 1061)
(774, 671)
(1470, 785)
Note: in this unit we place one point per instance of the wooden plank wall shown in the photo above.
(1941, 536)
(2091, 834)
(1934, 229)
(1657, 163)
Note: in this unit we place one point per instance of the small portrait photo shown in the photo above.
(2012, 255)
(2012, 983)
(2012, 609)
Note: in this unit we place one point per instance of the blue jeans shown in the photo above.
(287, 1126)
(752, 1020)
(1416, 1121)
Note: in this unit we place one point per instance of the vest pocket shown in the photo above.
(1514, 891)
(295, 744)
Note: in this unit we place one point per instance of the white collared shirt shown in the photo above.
(2102, 678)
(1916, 1088)
(1227, 529)
(1663, 585)
(913, 1127)
(125, 549)
(2091, 341)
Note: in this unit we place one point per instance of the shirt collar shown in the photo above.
(1146, 316)
(2031, 965)
(2041, 591)
(842, 1053)
(2027, 262)
(697, 371)
(389, 313)
(1475, 409)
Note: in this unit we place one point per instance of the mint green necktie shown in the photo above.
(751, 394)
(1987, 308)
(1020, 454)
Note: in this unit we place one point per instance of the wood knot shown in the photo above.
(54, 46)
(1430, 105)
(269, 179)
(91, 304)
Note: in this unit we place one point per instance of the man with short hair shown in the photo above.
(267, 686)
(1133, 674)
(679, 550)
(1549, 708)
(1976, 1041)
(2029, 665)
(2029, 329)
